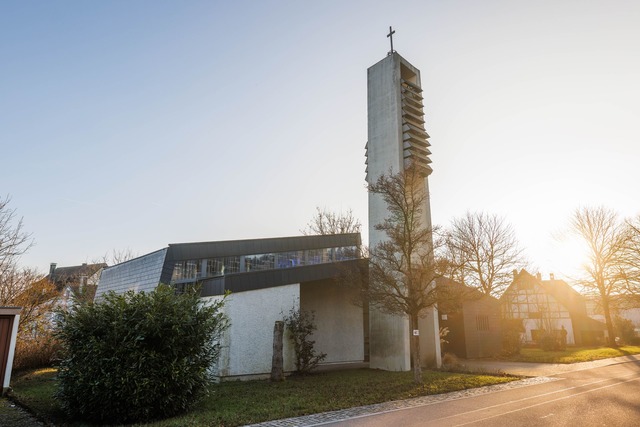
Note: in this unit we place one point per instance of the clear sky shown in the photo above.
(134, 124)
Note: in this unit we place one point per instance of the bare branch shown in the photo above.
(14, 241)
(483, 251)
(325, 222)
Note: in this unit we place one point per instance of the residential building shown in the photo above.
(75, 283)
(548, 306)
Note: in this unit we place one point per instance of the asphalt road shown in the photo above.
(602, 396)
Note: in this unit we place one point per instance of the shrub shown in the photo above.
(625, 330)
(35, 353)
(444, 332)
(137, 356)
(552, 341)
(548, 342)
(511, 342)
(300, 324)
(450, 362)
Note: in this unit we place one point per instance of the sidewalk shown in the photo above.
(538, 369)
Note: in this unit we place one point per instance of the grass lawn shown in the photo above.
(237, 403)
(571, 354)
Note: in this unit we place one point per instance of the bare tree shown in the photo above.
(36, 295)
(326, 222)
(14, 241)
(117, 256)
(630, 260)
(403, 267)
(22, 287)
(483, 251)
(606, 238)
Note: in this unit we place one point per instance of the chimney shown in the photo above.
(52, 268)
(538, 276)
(515, 273)
(551, 276)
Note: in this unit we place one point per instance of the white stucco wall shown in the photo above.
(247, 346)
(340, 332)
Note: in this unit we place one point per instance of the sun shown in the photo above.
(567, 257)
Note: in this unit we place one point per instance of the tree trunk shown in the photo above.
(415, 350)
(607, 317)
(277, 364)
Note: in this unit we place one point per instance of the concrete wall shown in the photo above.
(389, 345)
(384, 146)
(388, 334)
(247, 346)
(340, 331)
(139, 274)
(430, 351)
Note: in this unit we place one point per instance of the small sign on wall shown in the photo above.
(444, 317)
(416, 332)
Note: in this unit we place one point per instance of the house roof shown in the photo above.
(559, 289)
(566, 295)
(451, 301)
(62, 276)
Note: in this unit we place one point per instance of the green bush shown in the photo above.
(301, 324)
(137, 356)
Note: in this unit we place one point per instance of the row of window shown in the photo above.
(192, 269)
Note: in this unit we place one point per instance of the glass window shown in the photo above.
(215, 267)
(313, 256)
(231, 264)
(184, 270)
(259, 262)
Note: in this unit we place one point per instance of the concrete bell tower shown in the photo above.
(396, 138)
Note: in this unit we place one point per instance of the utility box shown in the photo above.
(9, 319)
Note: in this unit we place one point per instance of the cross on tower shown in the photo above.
(390, 35)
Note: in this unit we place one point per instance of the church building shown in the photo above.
(266, 278)
(269, 277)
